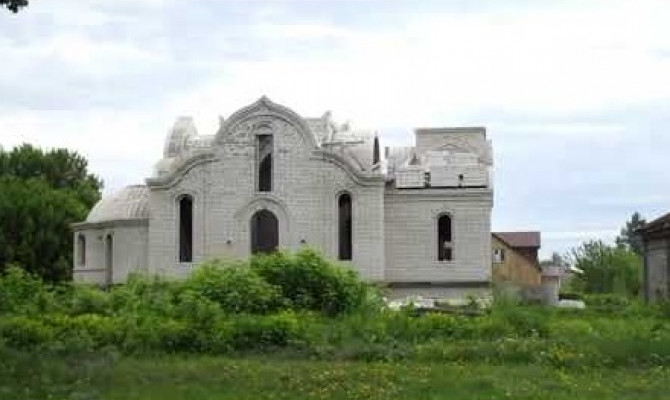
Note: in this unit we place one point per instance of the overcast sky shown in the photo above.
(574, 94)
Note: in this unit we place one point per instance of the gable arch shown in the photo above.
(264, 107)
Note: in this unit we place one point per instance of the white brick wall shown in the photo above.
(411, 235)
(129, 253)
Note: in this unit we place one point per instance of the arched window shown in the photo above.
(345, 250)
(444, 239)
(264, 232)
(81, 249)
(186, 229)
(264, 162)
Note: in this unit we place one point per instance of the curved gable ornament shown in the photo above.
(260, 117)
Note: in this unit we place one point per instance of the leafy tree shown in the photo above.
(13, 5)
(628, 238)
(41, 194)
(606, 269)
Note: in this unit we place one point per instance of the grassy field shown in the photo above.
(182, 378)
(297, 327)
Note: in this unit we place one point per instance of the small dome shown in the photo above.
(131, 202)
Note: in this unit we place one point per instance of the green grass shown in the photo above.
(183, 378)
(208, 338)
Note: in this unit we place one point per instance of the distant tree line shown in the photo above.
(41, 194)
(607, 268)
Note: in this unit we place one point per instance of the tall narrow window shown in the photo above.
(375, 151)
(81, 249)
(444, 244)
(186, 229)
(109, 258)
(344, 227)
(264, 160)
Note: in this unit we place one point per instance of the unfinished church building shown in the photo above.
(416, 218)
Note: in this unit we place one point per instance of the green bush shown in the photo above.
(252, 332)
(236, 288)
(302, 305)
(607, 300)
(89, 300)
(310, 282)
(24, 332)
(143, 294)
(21, 292)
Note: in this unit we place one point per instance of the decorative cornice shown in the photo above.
(81, 270)
(169, 180)
(432, 193)
(115, 223)
(360, 177)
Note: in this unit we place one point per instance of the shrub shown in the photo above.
(196, 309)
(310, 282)
(607, 300)
(21, 292)
(236, 288)
(89, 300)
(24, 332)
(251, 332)
(143, 294)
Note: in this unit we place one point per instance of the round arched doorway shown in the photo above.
(264, 232)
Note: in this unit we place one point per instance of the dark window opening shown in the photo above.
(264, 232)
(264, 163)
(81, 250)
(186, 229)
(444, 245)
(375, 151)
(345, 251)
(109, 258)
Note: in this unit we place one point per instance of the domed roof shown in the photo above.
(131, 202)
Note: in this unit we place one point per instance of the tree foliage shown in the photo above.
(13, 5)
(41, 194)
(606, 269)
(628, 237)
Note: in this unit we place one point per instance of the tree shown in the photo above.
(606, 269)
(628, 238)
(13, 5)
(41, 194)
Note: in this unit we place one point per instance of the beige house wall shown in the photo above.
(516, 268)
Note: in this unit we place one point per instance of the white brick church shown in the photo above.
(416, 218)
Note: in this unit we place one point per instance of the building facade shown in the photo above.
(416, 218)
(656, 241)
(515, 258)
